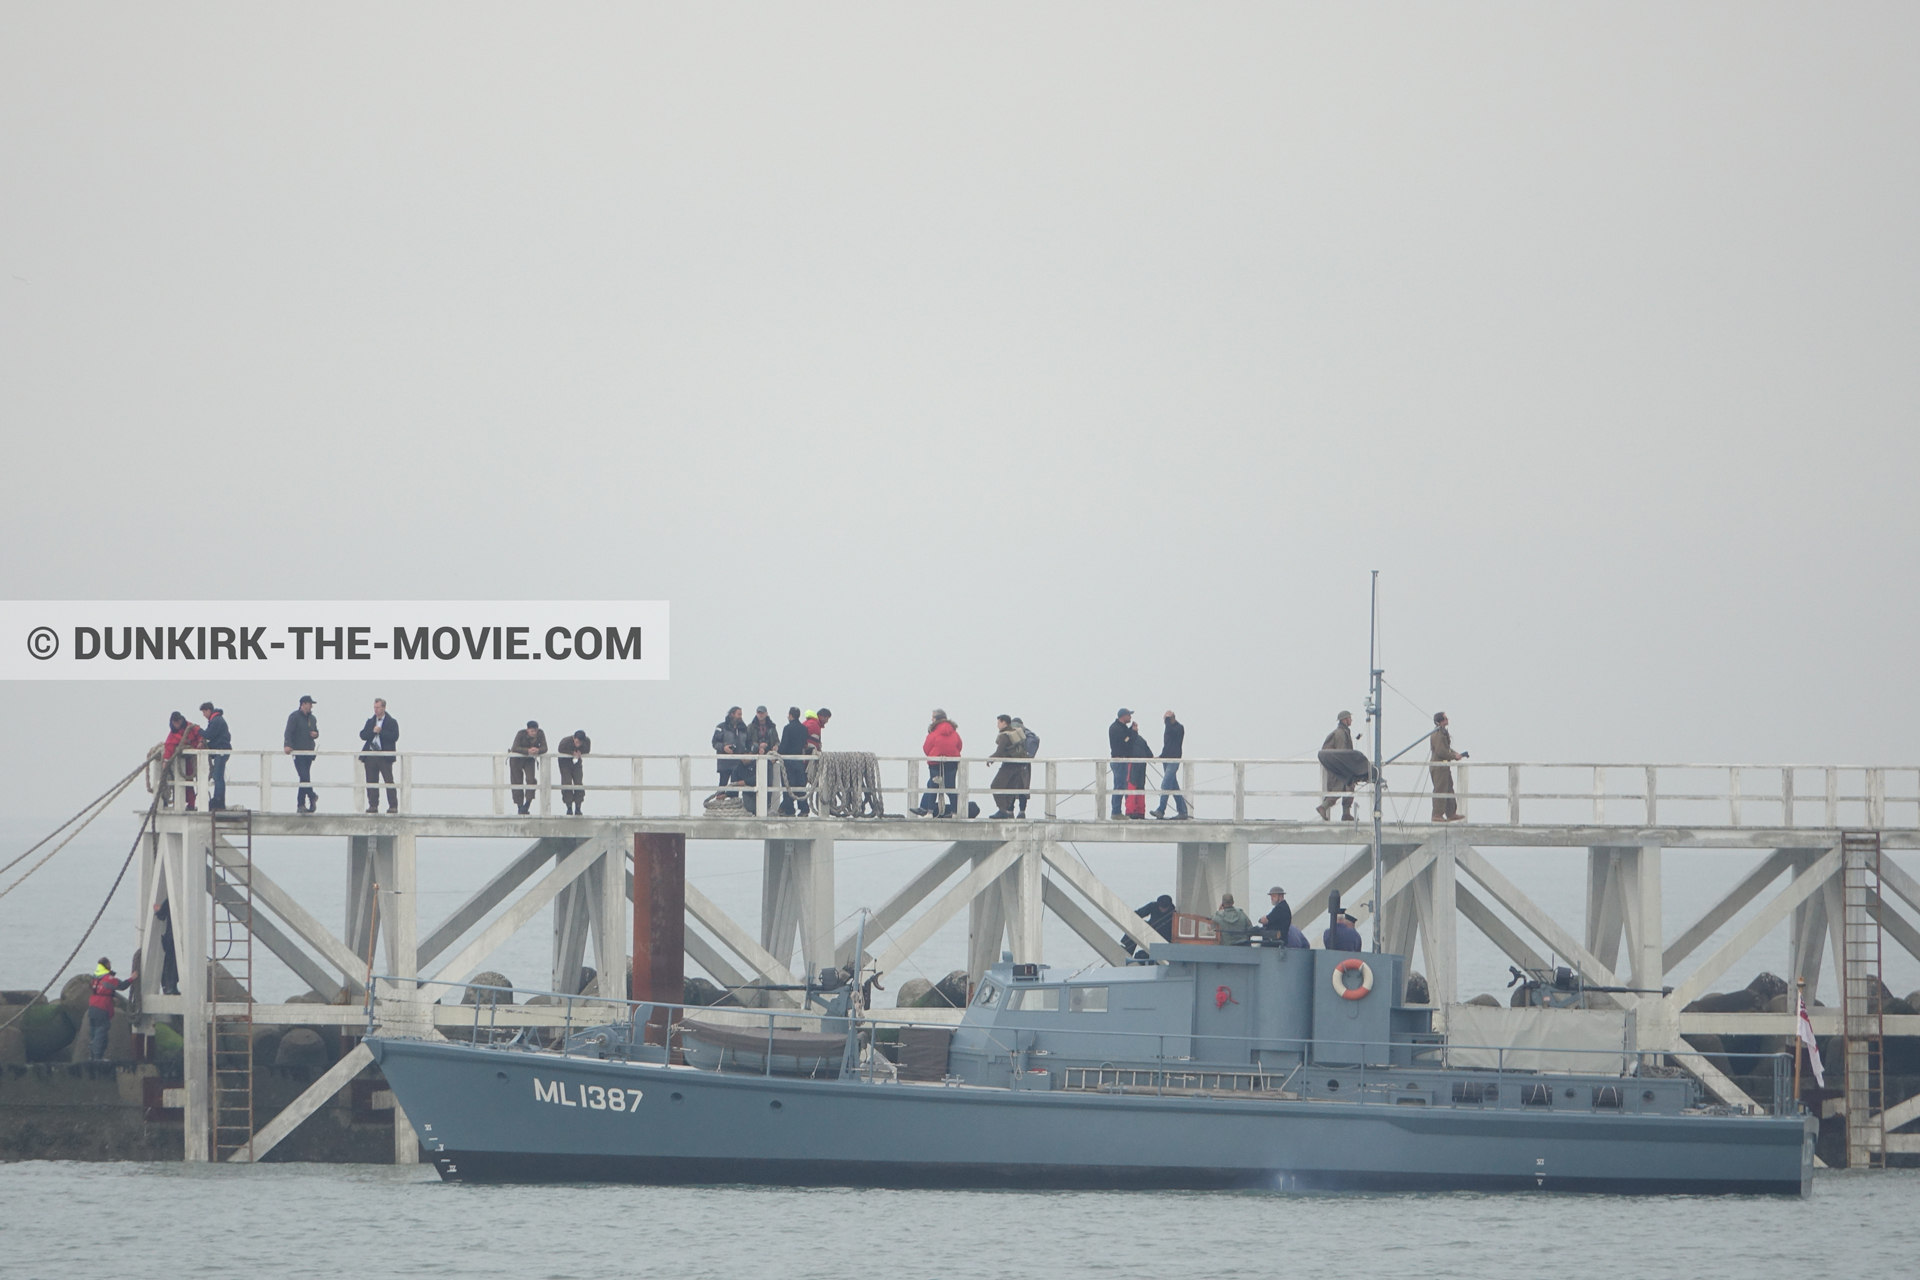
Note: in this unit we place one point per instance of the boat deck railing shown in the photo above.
(570, 1023)
(1072, 789)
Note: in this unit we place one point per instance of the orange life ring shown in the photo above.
(1366, 979)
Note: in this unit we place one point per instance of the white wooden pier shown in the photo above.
(1825, 846)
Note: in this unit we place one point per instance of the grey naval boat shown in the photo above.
(1209, 1067)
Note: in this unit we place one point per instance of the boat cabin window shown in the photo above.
(987, 994)
(1035, 999)
(1087, 1000)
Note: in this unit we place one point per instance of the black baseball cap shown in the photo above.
(307, 697)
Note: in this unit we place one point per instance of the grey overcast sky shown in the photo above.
(1038, 358)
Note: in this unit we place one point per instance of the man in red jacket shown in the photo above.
(942, 749)
(100, 1008)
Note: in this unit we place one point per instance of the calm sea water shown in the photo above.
(109, 1220)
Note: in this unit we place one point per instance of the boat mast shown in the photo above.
(1373, 713)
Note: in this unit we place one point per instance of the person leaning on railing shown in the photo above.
(572, 747)
(529, 743)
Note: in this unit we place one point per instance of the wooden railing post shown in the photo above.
(1513, 795)
(637, 777)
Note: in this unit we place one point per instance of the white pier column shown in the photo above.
(814, 870)
(397, 875)
(187, 856)
(1439, 934)
(1022, 906)
(610, 922)
(986, 921)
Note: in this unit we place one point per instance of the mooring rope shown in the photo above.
(846, 784)
(94, 805)
(146, 821)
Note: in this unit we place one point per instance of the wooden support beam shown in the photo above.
(305, 926)
(1701, 979)
(1770, 869)
(947, 906)
(708, 957)
(1104, 944)
(913, 893)
(1895, 925)
(493, 893)
(304, 966)
(1895, 877)
(1104, 900)
(315, 1096)
(1544, 927)
(1487, 921)
(516, 916)
(736, 939)
(1394, 883)
(1310, 908)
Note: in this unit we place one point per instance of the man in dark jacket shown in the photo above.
(572, 747)
(793, 752)
(216, 737)
(379, 735)
(1159, 917)
(763, 741)
(1274, 925)
(729, 743)
(528, 745)
(1341, 935)
(1173, 740)
(1121, 736)
(302, 731)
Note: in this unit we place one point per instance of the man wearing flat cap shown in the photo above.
(1279, 919)
(528, 744)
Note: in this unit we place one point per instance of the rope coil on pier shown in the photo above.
(846, 784)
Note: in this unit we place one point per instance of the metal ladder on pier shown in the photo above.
(231, 1041)
(1861, 1025)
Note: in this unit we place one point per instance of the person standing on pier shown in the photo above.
(528, 744)
(1173, 740)
(182, 735)
(816, 727)
(793, 761)
(217, 738)
(572, 747)
(380, 735)
(1033, 751)
(763, 743)
(1009, 745)
(729, 743)
(302, 732)
(1341, 739)
(1445, 807)
(942, 751)
(1121, 735)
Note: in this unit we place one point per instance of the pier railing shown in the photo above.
(1513, 793)
(1180, 1062)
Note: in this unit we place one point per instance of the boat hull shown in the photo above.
(488, 1115)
